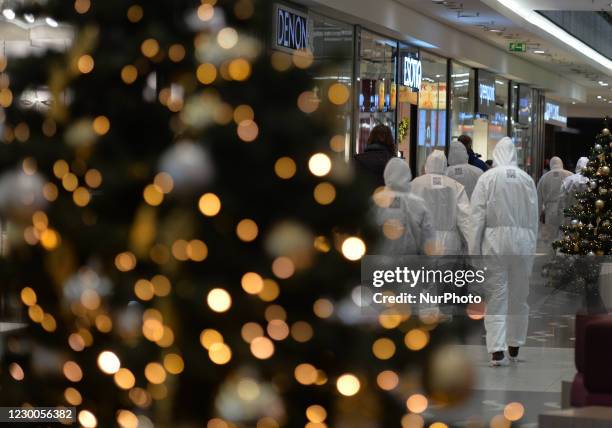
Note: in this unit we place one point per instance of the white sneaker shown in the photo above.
(499, 363)
(514, 359)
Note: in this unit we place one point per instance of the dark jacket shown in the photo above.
(372, 162)
(476, 161)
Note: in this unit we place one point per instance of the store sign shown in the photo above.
(517, 47)
(552, 113)
(486, 93)
(412, 73)
(485, 101)
(292, 31)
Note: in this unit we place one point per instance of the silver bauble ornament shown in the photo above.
(289, 238)
(598, 147)
(189, 164)
(574, 222)
(591, 254)
(21, 194)
(593, 185)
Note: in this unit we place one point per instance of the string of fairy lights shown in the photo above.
(81, 182)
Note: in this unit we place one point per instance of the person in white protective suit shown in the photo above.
(505, 225)
(549, 193)
(448, 203)
(573, 184)
(405, 222)
(460, 169)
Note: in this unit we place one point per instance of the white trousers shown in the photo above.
(507, 311)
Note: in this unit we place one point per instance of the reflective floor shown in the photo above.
(545, 362)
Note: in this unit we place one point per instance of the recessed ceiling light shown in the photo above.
(573, 102)
(494, 30)
(598, 97)
(29, 17)
(539, 52)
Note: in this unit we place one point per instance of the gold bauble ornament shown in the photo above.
(604, 170)
(449, 375)
(599, 252)
(603, 190)
(605, 131)
(599, 204)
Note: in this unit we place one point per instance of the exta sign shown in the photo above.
(413, 73)
(292, 32)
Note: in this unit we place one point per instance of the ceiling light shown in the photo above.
(573, 102)
(51, 22)
(8, 13)
(539, 52)
(499, 82)
(598, 97)
(556, 31)
(603, 83)
(494, 30)
(29, 17)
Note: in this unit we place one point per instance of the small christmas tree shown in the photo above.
(590, 229)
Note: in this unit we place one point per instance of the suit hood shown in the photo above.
(582, 163)
(556, 163)
(457, 154)
(504, 153)
(398, 175)
(436, 163)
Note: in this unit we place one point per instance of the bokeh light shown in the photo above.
(109, 362)
(219, 300)
(348, 384)
(209, 204)
(353, 248)
(417, 403)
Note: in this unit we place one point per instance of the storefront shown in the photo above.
(427, 100)
(389, 75)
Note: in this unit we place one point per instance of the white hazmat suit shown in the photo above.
(549, 194)
(460, 169)
(505, 225)
(405, 221)
(448, 203)
(573, 184)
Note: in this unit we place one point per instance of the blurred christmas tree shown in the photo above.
(182, 238)
(590, 229)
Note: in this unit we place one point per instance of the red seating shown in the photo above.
(592, 385)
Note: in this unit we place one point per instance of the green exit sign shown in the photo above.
(517, 47)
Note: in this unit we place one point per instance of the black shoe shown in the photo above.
(513, 352)
(498, 359)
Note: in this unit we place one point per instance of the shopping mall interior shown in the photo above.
(195, 197)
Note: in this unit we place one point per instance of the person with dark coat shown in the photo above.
(379, 149)
(473, 159)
